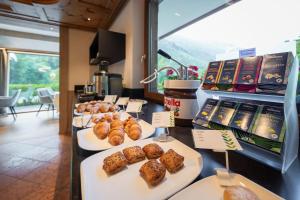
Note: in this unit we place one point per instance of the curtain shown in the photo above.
(3, 76)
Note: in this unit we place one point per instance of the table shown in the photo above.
(286, 185)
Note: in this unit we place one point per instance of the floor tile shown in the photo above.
(19, 167)
(15, 148)
(40, 154)
(6, 181)
(52, 175)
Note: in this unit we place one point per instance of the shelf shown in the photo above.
(248, 96)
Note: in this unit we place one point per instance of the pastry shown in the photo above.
(239, 193)
(134, 154)
(94, 110)
(134, 132)
(116, 137)
(114, 163)
(153, 151)
(113, 108)
(116, 116)
(153, 172)
(101, 130)
(104, 108)
(116, 124)
(88, 107)
(81, 108)
(108, 118)
(172, 161)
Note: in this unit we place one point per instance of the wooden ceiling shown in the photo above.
(83, 14)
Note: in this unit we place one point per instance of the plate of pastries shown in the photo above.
(240, 188)
(144, 169)
(94, 107)
(113, 129)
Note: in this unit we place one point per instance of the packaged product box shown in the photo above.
(244, 116)
(206, 112)
(224, 112)
(247, 74)
(211, 75)
(270, 123)
(228, 74)
(274, 73)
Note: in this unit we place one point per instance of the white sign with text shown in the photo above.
(163, 119)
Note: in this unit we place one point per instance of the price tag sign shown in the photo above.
(163, 119)
(123, 101)
(110, 98)
(134, 107)
(215, 140)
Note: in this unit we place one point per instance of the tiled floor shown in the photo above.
(34, 159)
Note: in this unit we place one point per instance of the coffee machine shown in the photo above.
(106, 83)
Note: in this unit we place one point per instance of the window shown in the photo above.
(29, 71)
(197, 32)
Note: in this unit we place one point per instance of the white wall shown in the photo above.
(79, 69)
(131, 22)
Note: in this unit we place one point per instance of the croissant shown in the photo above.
(134, 133)
(116, 137)
(108, 118)
(101, 130)
(116, 124)
(116, 116)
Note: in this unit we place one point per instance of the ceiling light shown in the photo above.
(89, 19)
(177, 14)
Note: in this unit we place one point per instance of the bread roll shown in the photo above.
(89, 108)
(81, 108)
(239, 193)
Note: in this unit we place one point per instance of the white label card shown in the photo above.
(110, 98)
(163, 119)
(215, 139)
(134, 107)
(123, 101)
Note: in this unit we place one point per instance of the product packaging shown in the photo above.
(274, 73)
(228, 74)
(211, 76)
(206, 112)
(247, 74)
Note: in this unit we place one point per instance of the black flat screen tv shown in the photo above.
(107, 46)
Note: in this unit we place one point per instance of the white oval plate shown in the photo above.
(210, 189)
(128, 184)
(88, 140)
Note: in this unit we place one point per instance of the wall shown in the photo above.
(79, 69)
(131, 22)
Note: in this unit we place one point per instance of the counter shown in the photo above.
(286, 185)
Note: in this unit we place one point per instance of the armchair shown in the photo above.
(10, 102)
(45, 97)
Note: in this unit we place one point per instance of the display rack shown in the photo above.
(289, 151)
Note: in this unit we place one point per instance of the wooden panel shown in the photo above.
(70, 13)
(63, 81)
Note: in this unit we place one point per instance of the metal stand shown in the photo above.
(164, 137)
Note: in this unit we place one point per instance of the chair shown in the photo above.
(45, 97)
(10, 102)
